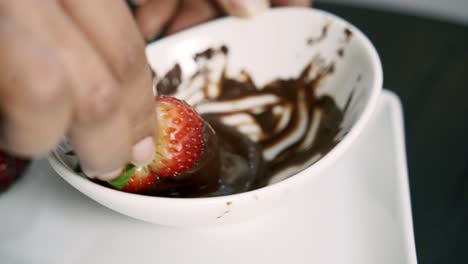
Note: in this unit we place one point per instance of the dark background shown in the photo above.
(426, 63)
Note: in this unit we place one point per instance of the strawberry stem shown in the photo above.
(122, 180)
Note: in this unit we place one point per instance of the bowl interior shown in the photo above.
(277, 44)
(299, 37)
(280, 44)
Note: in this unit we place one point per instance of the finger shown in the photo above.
(137, 2)
(244, 8)
(154, 15)
(123, 50)
(291, 2)
(192, 12)
(34, 96)
(100, 131)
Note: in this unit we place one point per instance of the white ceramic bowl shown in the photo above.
(269, 46)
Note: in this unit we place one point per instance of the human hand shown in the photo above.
(156, 16)
(68, 71)
(75, 68)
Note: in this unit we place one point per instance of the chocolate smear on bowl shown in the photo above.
(323, 34)
(170, 81)
(340, 52)
(348, 34)
(209, 52)
(263, 131)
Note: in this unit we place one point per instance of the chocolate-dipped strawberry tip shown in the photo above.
(179, 146)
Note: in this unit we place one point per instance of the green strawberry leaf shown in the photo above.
(122, 180)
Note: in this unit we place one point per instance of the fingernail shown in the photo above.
(106, 176)
(245, 8)
(143, 152)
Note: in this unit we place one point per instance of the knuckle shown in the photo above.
(130, 62)
(99, 102)
(47, 85)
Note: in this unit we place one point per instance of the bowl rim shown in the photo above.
(312, 171)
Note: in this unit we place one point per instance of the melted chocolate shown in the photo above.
(208, 53)
(340, 52)
(232, 89)
(241, 160)
(266, 120)
(348, 34)
(169, 83)
(323, 35)
(233, 162)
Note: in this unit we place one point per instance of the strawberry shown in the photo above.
(10, 169)
(180, 137)
(179, 146)
(134, 179)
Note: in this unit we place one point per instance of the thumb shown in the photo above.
(244, 8)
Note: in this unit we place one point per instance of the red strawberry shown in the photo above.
(134, 179)
(180, 137)
(179, 146)
(10, 169)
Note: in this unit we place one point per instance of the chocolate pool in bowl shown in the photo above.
(260, 132)
(284, 122)
(296, 86)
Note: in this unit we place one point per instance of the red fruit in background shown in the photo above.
(10, 169)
